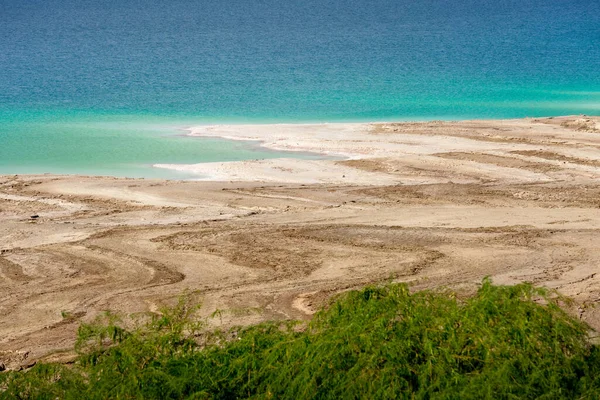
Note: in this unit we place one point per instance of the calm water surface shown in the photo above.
(103, 87)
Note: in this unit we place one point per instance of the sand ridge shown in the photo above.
(434, 204)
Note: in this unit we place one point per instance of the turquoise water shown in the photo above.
(113, 145)
(104, 86)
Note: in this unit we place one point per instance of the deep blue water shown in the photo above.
(70, 68)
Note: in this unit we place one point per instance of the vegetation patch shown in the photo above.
(506, 342)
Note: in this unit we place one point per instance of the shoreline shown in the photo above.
(353, 142)
(432, 204)
(243, 132)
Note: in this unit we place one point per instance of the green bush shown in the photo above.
(506, 342)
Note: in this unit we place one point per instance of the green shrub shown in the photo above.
(506, 342)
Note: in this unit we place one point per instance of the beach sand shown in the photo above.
(433, 204)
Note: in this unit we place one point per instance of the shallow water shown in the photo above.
(124, 146)
(101, 87)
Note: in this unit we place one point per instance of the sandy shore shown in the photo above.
(432, 204)
(381, 146)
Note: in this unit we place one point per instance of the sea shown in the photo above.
(107, 87)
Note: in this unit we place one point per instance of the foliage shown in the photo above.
(506, 342)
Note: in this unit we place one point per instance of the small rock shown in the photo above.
(35, 216)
